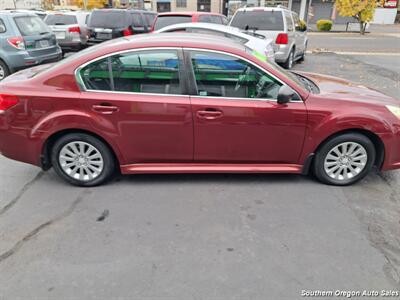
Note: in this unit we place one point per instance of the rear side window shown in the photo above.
(109, 19)
(31, 25)
(154, 71)
(164, 21)
(2, 26)
(61, 20)
(258, 20)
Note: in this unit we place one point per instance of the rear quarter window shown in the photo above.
(258, 20)
(31, 25)
(164, 21)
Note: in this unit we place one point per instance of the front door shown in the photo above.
(142, 105)
(236, 116)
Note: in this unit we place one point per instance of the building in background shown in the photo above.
(21, 4)
(215, 6)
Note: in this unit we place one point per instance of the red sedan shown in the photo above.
(180, 103)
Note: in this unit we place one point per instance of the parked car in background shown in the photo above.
(107, 24)
(191, 103)
(70, 29)
(279, 24)
(171, 18)
(257, 43)
(25, 41)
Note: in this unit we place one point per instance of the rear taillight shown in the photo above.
(282, 39)
(75, 29)
(127, 32)
(7, 101)
(17, 42)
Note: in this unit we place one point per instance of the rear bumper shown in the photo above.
(71, 46)
(22, 59)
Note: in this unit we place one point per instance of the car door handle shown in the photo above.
(209, 114)
(105, 108)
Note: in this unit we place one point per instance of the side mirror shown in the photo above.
(285, 94)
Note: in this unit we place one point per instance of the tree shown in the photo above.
(91, 4)
(362, 10)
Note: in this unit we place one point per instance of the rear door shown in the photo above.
(236, 116)
(143, 105)
(39, 40)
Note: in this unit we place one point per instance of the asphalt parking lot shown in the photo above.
(205, 236)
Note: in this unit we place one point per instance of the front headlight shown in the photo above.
(394, 110)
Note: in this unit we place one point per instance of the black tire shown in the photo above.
(5, 69)
(321, 155)
(288, 64)
(107, 157)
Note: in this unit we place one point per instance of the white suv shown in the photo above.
(281, 25)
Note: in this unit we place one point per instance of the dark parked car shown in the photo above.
(25, 41)
(180, 103)
(107, 24)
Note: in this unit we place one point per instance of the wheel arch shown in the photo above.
(48, 144)
(375, 139)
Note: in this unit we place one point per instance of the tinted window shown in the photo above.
(31, 25)
(216, 19)
(150, 18)
(109, 19)
(163, 21)
(205, 19)
(137, 20)
(96, 76)
(220, 75)
(61, 20)
(258, 20)
(2, 26)
(147, 72)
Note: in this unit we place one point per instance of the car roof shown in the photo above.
(261, 8)
(18, 13)
(188, 13)
(218, 27)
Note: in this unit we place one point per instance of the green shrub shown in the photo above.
(324, 25)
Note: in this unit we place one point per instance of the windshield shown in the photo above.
(164, 21)
(258, 20)
(60, 20)
(109, 19)
(31, 25)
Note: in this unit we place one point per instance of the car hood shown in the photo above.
(340, 89)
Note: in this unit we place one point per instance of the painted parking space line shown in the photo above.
(355, 53)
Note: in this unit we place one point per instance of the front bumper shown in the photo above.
(392, 149)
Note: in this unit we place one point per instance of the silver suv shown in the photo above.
(281, 25)
(25, 41)
(70, 29)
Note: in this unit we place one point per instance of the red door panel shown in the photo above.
(147, 128)
(244, 131)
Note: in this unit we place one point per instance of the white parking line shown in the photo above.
(356, 53)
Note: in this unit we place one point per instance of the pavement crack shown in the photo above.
(26, 187)
(18, 245)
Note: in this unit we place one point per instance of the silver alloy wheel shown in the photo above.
(2, 72)
(81, 161)
(345, 161)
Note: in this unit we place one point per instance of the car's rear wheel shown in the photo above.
(344, 159)
(288, 64)
(4, 71)
(82, 159)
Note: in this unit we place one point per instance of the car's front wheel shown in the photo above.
(344, 159)
(82, 159)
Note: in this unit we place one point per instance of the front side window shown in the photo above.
(221, 75)
(153, 71)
